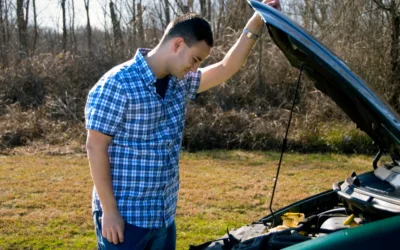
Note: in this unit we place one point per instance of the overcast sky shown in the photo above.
(50, 14)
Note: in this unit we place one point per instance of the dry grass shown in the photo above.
(45, 200)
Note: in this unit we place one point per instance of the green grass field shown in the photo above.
(45, 201)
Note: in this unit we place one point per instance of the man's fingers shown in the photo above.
(109, 236)
(113, 228)
(274, 3)
(120, 233)
(112, 236)
(115, 239)
(104, 233)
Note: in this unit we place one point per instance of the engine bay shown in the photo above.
(355, 202)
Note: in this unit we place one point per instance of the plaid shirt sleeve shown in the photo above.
(105, 107)
(193, 84)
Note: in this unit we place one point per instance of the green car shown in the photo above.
(361, 212)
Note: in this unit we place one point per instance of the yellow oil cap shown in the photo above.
(350, 221)
(292, 219)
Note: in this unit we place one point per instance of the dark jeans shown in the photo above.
(137, 238)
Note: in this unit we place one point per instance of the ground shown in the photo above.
(45, 199)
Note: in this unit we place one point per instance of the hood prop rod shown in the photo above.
(284, 142)
(376, 159)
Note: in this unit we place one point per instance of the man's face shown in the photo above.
(189, 58)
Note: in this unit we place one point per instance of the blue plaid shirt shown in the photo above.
(146, 135)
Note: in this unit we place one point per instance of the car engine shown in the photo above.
(355, 202)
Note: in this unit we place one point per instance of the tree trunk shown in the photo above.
(27, 12)
(107, 38)
(134, 32)
(22, 30)
(393, 10)
(203, 8)
(116, 30)
(140, 24)
(220, 17)
(167, 12)
(35, 27)
(394, 54)
(72, 28)
(7, 23)
(209, 10)
(88, 28)
(65, 35)
(260, 75)
(3, 37)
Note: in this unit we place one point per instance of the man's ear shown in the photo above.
(178, 43)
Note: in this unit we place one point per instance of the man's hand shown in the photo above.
(113, 227)
(273, 3)
(256, 19)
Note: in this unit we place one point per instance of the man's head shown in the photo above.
(189, 39)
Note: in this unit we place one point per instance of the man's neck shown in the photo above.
(157, 62)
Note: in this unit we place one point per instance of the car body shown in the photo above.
(362, 212)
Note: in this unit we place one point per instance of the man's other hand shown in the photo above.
(273, 3)
(113, 227)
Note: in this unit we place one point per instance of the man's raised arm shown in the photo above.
(219, 72)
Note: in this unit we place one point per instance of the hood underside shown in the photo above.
(334, 78)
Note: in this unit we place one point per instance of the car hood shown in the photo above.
(334, 78)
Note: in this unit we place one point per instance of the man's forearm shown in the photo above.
(237, 55)
(100, 169)
(219, 72)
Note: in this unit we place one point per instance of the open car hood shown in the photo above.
(334, 78)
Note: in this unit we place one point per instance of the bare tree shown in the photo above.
(107, 37)
(65, 35)
(88, 27)
(209, 10)
(184, 7)
(140, 23)
(238, 16)
(167, 13)
(203, 8)
(134, 32)
(318, 11)
(116, 29)
(22, 22)
(3, 35)
(392, 8)
(72, 27)
(35, 27)
(220, 17)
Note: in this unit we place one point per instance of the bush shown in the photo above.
(211, 128)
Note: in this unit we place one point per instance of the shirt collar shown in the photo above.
(147, 75)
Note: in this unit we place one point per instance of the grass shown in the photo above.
(45, 200)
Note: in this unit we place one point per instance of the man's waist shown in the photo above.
(134, 190)
(157, 201)
(144, 144)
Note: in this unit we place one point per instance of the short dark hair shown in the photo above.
(192, 28)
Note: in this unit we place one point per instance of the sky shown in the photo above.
(50, 14)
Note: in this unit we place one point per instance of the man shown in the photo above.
(135, 117)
